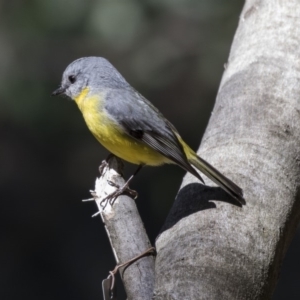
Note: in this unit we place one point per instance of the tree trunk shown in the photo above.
(215, 250)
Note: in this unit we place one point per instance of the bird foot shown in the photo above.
(124, 189)
(111, 198)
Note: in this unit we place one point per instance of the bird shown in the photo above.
(128, 125)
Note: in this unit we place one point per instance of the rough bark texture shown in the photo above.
(223, 251)
(126, 233)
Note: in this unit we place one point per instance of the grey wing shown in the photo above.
(143, 121)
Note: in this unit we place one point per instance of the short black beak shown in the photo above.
(59, 91)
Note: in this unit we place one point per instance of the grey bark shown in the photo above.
(253, 136)
(126, 233)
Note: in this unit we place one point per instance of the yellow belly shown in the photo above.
(128, 149)
(113, 138)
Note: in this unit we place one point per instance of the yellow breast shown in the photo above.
(111, 135)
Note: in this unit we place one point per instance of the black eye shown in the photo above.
(72, 78)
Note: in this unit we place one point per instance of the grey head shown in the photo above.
(95, 73)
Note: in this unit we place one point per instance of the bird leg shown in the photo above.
(111, 198)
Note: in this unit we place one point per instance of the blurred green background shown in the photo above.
(173, 52)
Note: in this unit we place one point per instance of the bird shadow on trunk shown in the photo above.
(193, 198)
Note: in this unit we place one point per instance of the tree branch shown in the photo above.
(126, 233)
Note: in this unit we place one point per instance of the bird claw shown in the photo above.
(111, 198)
(133, 193)
(124, 189)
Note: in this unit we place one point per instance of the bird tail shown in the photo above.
(230, 187)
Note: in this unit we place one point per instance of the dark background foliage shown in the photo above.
(173, 52)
